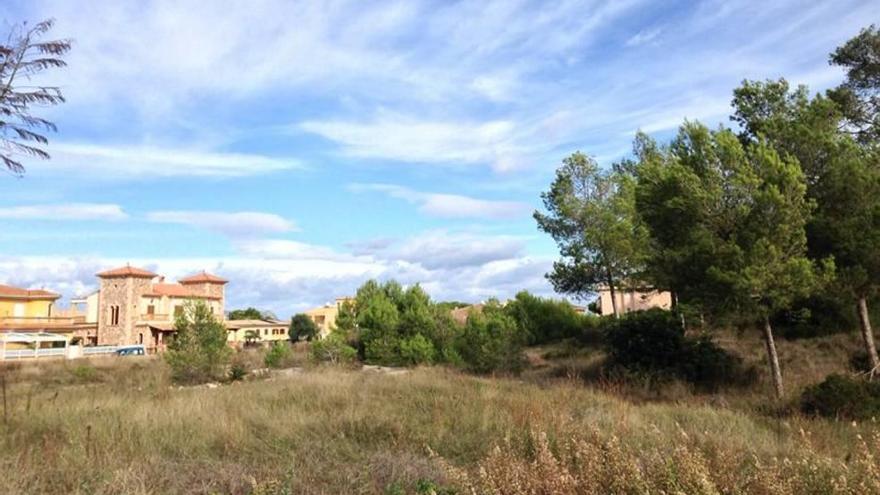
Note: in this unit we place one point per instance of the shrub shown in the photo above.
(237, 372)
(544, 320)
(417, 350)
(649, 341)
(302, 328)
(653, 343)
(844, 397)
(491, 341)
(333, 349)
(198, 352)
(277, 355)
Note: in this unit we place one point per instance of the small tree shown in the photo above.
(23, 56)
(277, 355)
(491, 341)
(199, 351)
(333, 349)
(251, 337)
(592, 217)
(302, 328)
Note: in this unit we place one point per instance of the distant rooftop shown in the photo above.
(127, 271)
(9, 291)
(202, 278)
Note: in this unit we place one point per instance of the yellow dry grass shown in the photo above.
(118, 426)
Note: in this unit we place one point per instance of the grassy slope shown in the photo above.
(123, 429)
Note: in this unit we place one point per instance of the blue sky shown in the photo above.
(301, 148)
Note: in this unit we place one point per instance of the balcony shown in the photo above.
(40, 322)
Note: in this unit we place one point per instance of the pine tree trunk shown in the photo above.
(610, 282)
(868, 336)
(773, 358)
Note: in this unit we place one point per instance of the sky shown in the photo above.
(301, 148)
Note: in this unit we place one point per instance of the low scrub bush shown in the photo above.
(653, 343)
(417, 350)
(237, 372)
(333, 349)
(277, 356)
(492, 341)
(844, 397)
(544, 320)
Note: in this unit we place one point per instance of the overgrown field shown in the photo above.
(118, 426)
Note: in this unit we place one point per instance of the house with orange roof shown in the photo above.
(137, 306)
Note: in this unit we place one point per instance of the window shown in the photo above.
(265, 331)
(151, 310)
(178, 311)
(114, 315)
(319, 319)
(140, 338)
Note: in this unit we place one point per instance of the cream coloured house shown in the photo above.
(325, 316)
(629, 300)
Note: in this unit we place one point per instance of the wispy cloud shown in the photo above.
(644, 36)
(449, 205)
(152, 161)
(66, 211)
(232, 224)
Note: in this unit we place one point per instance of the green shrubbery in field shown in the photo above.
(844, 397)
(546, 320)
(653, 343)
(396, 327)
(333, 349)
(277, 355)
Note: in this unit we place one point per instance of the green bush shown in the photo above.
(237, 372)
(653, 343)
(842, 397)
(544, 320)
(277, 355)
(198, 352)
(333, 349)
(492, 341)
(417, 350)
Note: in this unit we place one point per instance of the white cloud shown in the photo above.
(401, 138)
(449, 205)
(644, 36)
(233, 224)
(66, 211)
(152, 161)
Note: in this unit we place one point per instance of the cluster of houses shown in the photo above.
(136, 307)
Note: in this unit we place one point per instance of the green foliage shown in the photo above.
(302, 328)
(237, 372)
(85, 373)
(843, 397)
(653, 343)
(727, 223)
(417, 350)
(277, 355)
(592, 217)
(492, 341)
(198, 352)
(859, 95)
(545, 320)
(333, 349)
(246, 314)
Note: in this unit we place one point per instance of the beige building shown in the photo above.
(325, 316)
(632, 300)
(257, 332)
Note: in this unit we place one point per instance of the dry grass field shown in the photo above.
(119, 426)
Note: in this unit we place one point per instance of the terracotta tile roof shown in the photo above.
(176, 290)
(127, 271)
(203, 277)
(18, 293)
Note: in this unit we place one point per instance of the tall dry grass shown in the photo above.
(118, 426)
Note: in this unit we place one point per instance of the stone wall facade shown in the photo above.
(125, 294)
